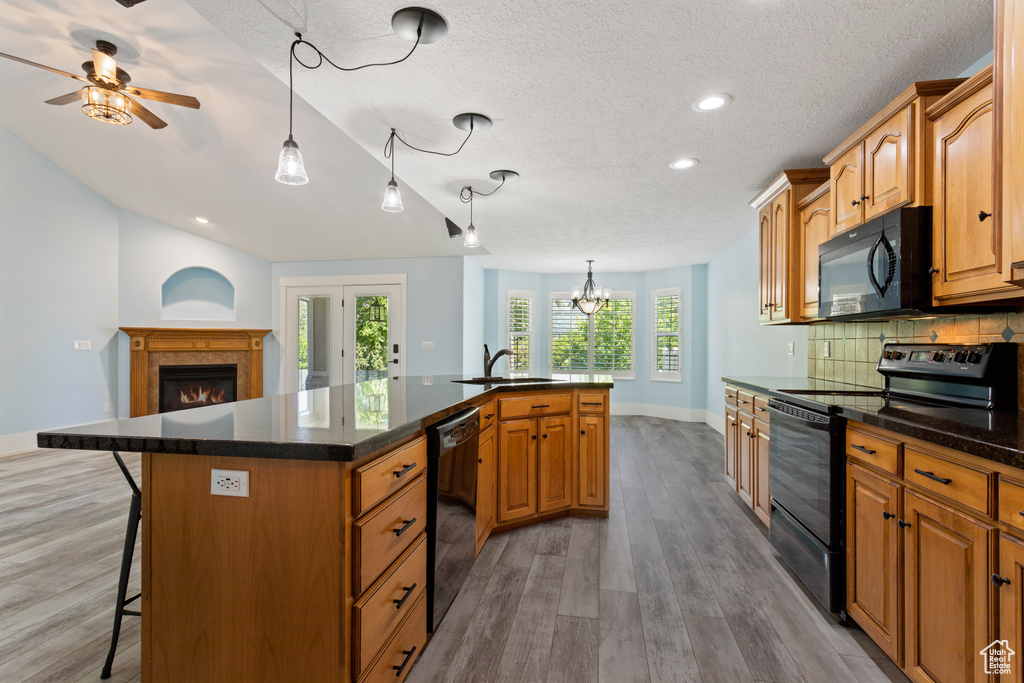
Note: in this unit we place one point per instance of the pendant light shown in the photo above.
(392, 197)
(466, 195)
(471, 241)
(423, 26)
(591, 299)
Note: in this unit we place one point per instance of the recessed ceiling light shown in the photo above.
(202, 221)
(683, 163)
(711, 103)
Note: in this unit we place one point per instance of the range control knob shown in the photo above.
(938, 356)
(897, 355)
(974, 357)
(887, 355)
(960, 357)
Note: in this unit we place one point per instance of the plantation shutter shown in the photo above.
(520, 332)
(570, 337)
(613, 337)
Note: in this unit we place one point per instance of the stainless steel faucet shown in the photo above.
(489, 362)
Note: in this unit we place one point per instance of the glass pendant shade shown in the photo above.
(290, 169)
(109, 106)
(392, 198)
(471, 239)
(590, 307)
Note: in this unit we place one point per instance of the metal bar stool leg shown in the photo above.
(134, 516)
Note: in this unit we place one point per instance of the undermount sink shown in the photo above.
(504, 380)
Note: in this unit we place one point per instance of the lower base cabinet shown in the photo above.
(748, 450)
(592, 473)
(1011, 601)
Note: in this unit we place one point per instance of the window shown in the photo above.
(601, 343)
(520, 331)
(666, 335)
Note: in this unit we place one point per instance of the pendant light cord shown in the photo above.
(389, 146)
(321, 57)
(467, 192)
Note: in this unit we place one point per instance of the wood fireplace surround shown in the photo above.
(152, 347)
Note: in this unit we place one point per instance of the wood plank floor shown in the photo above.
(679, 584)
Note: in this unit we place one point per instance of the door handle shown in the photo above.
(395, 361)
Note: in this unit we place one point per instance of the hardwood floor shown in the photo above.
(679, 584)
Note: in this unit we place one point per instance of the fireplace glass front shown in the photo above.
(191, 386)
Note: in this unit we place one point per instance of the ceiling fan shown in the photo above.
(106, 94)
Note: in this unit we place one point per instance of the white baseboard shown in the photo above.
(664, 412)
(17, 443)
(716, 422)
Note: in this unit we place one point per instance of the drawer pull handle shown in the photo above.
(862, 449)
(408, 656)
(488, 416)
(1022, 513)
(760, 408)
(543, 406)
(402, 471)
(739, 401)
(408, 591)
(887, 515)
(903, 525)
(931, 475)
(999, 581)
(591, 404)
(399, 532)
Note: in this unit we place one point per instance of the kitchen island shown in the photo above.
(319, 573)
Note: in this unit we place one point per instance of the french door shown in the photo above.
(339, 334)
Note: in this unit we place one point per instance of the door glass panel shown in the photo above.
(314, 362)
(371, 338)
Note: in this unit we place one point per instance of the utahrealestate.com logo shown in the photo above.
(997, 657)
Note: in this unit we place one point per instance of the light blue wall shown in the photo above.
(496, 332)
(737, 343)
(433, 307)
(978, 65)
(473, 287)
(58, 283)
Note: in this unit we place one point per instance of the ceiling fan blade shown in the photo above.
(43, 66)
(151, 119)
(66, 99)
(167, 97)
(453, 230)
(105, 65)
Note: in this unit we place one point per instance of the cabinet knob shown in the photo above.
(584, 432)
(863, 197)
(854, 203)
(982, 215)
(480, 460)
(933, 270)
(902, 524)
(544, 436)
(999, 581)
(533, 436)
(887, 515)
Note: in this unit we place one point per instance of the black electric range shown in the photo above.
(958, 383)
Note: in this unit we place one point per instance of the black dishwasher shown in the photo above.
(451, 509)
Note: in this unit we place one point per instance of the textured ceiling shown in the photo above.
(591, 101)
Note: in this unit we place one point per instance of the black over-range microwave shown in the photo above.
(879, 270)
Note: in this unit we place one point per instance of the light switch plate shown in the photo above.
(428, 346)
(828, 349)
(791, 349)
(81, 346)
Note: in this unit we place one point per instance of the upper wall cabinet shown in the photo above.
(813, 228)
(887, 162)
(968, 259)
(780, 281)
(1009, 108)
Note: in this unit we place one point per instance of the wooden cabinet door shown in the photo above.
(765, 264)
(1009, 76)
(593, 462)
(888, 181)
(762, 501)
(485, 486)
(847, 188)
(745, 452)
(872, 558)
(1011, 600)
(780, 258)
(517, 469)
(554, 467)
(967, 243)
(732, 435)
(815, 226)
(946, 583)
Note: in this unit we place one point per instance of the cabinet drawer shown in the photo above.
(534, 405)
(592, 401)
(964, 484)
(488, 415)
(387, 602)
(761, 407)
(374, 482)
(1011, 502)
(745, 401)
(874, 450)
(730, 395)
(381, 536)
(401, 652)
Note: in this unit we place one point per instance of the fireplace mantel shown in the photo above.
(152, 347)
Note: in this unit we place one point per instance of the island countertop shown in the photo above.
(341, 423)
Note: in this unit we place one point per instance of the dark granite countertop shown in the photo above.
(996, 435)
(343, 423)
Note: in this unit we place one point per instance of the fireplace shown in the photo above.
(191, 386)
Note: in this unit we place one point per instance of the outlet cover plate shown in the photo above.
(828, 349)
(229, 483)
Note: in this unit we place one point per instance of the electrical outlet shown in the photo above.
(81, 346)
(428, 346)
(106, 407)
(828, 349)
(428, 380)
(229, 483)
(791, 349)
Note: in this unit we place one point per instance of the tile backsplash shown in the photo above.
(855, 347)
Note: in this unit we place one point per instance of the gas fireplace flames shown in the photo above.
(201, 396)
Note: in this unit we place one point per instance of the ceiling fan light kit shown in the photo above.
(104, 104)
